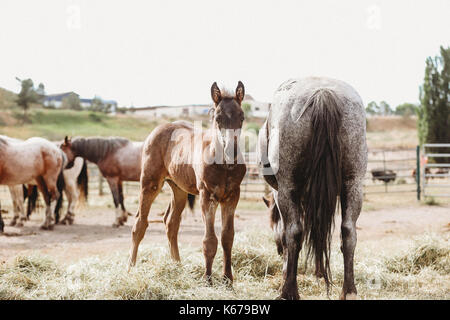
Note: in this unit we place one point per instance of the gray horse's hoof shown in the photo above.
(115, 225)
(12, 223)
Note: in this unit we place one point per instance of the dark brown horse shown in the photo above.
(192, 161)
(118, 160)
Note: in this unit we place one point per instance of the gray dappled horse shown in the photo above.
(312, 150)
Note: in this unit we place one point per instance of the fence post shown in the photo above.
(418, 171)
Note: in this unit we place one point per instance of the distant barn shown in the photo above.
(55, 100)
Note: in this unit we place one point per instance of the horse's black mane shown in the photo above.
(96, 148)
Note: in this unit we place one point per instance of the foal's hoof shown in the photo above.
(12, 223)
(289, 295)
(208, 280)
(115, 225)
(19, 224)
(348, 296)
(228, 282)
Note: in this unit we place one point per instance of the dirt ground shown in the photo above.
(92, 233)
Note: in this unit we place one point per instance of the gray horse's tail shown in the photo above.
(323, 178)
(82, 182)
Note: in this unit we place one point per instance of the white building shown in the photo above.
(258, 109)
(173, 111)
(56, 100)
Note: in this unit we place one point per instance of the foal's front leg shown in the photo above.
(209, 207)
(228, 208)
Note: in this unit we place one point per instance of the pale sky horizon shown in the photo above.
(170, 52)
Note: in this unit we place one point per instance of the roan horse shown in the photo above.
(118, 159)
(75, 187)
(312, 150)
(206, 163)
(35, 159)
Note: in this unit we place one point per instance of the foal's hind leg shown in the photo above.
(351, 202)
(150, 188)
(172, 218)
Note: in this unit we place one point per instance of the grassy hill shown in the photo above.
(55, 124)
(7, 99)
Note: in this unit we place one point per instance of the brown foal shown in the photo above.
(208, 164)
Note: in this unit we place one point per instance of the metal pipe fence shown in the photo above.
(399, 169)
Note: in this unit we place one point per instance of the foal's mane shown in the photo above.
(97, 148)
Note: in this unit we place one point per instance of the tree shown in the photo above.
(247, 108)
(29, 95)
(385, 108)
(97, 105)
(72, 101)
(434, 110)
(406, 109)
(372, 108)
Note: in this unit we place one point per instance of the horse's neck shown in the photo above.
(217, 149)
(82, 152)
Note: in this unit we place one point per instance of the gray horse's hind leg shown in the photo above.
(351, 201)
(291, 240)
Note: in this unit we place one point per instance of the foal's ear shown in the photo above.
(215, 93)
(240, 92)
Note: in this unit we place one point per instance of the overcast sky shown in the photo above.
(170, 52)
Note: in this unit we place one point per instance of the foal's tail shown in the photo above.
(82, 182)
(323, 178)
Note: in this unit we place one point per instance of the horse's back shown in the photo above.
(23, 161)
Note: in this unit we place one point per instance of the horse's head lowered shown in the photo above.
(66, 146)
(228, 119)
